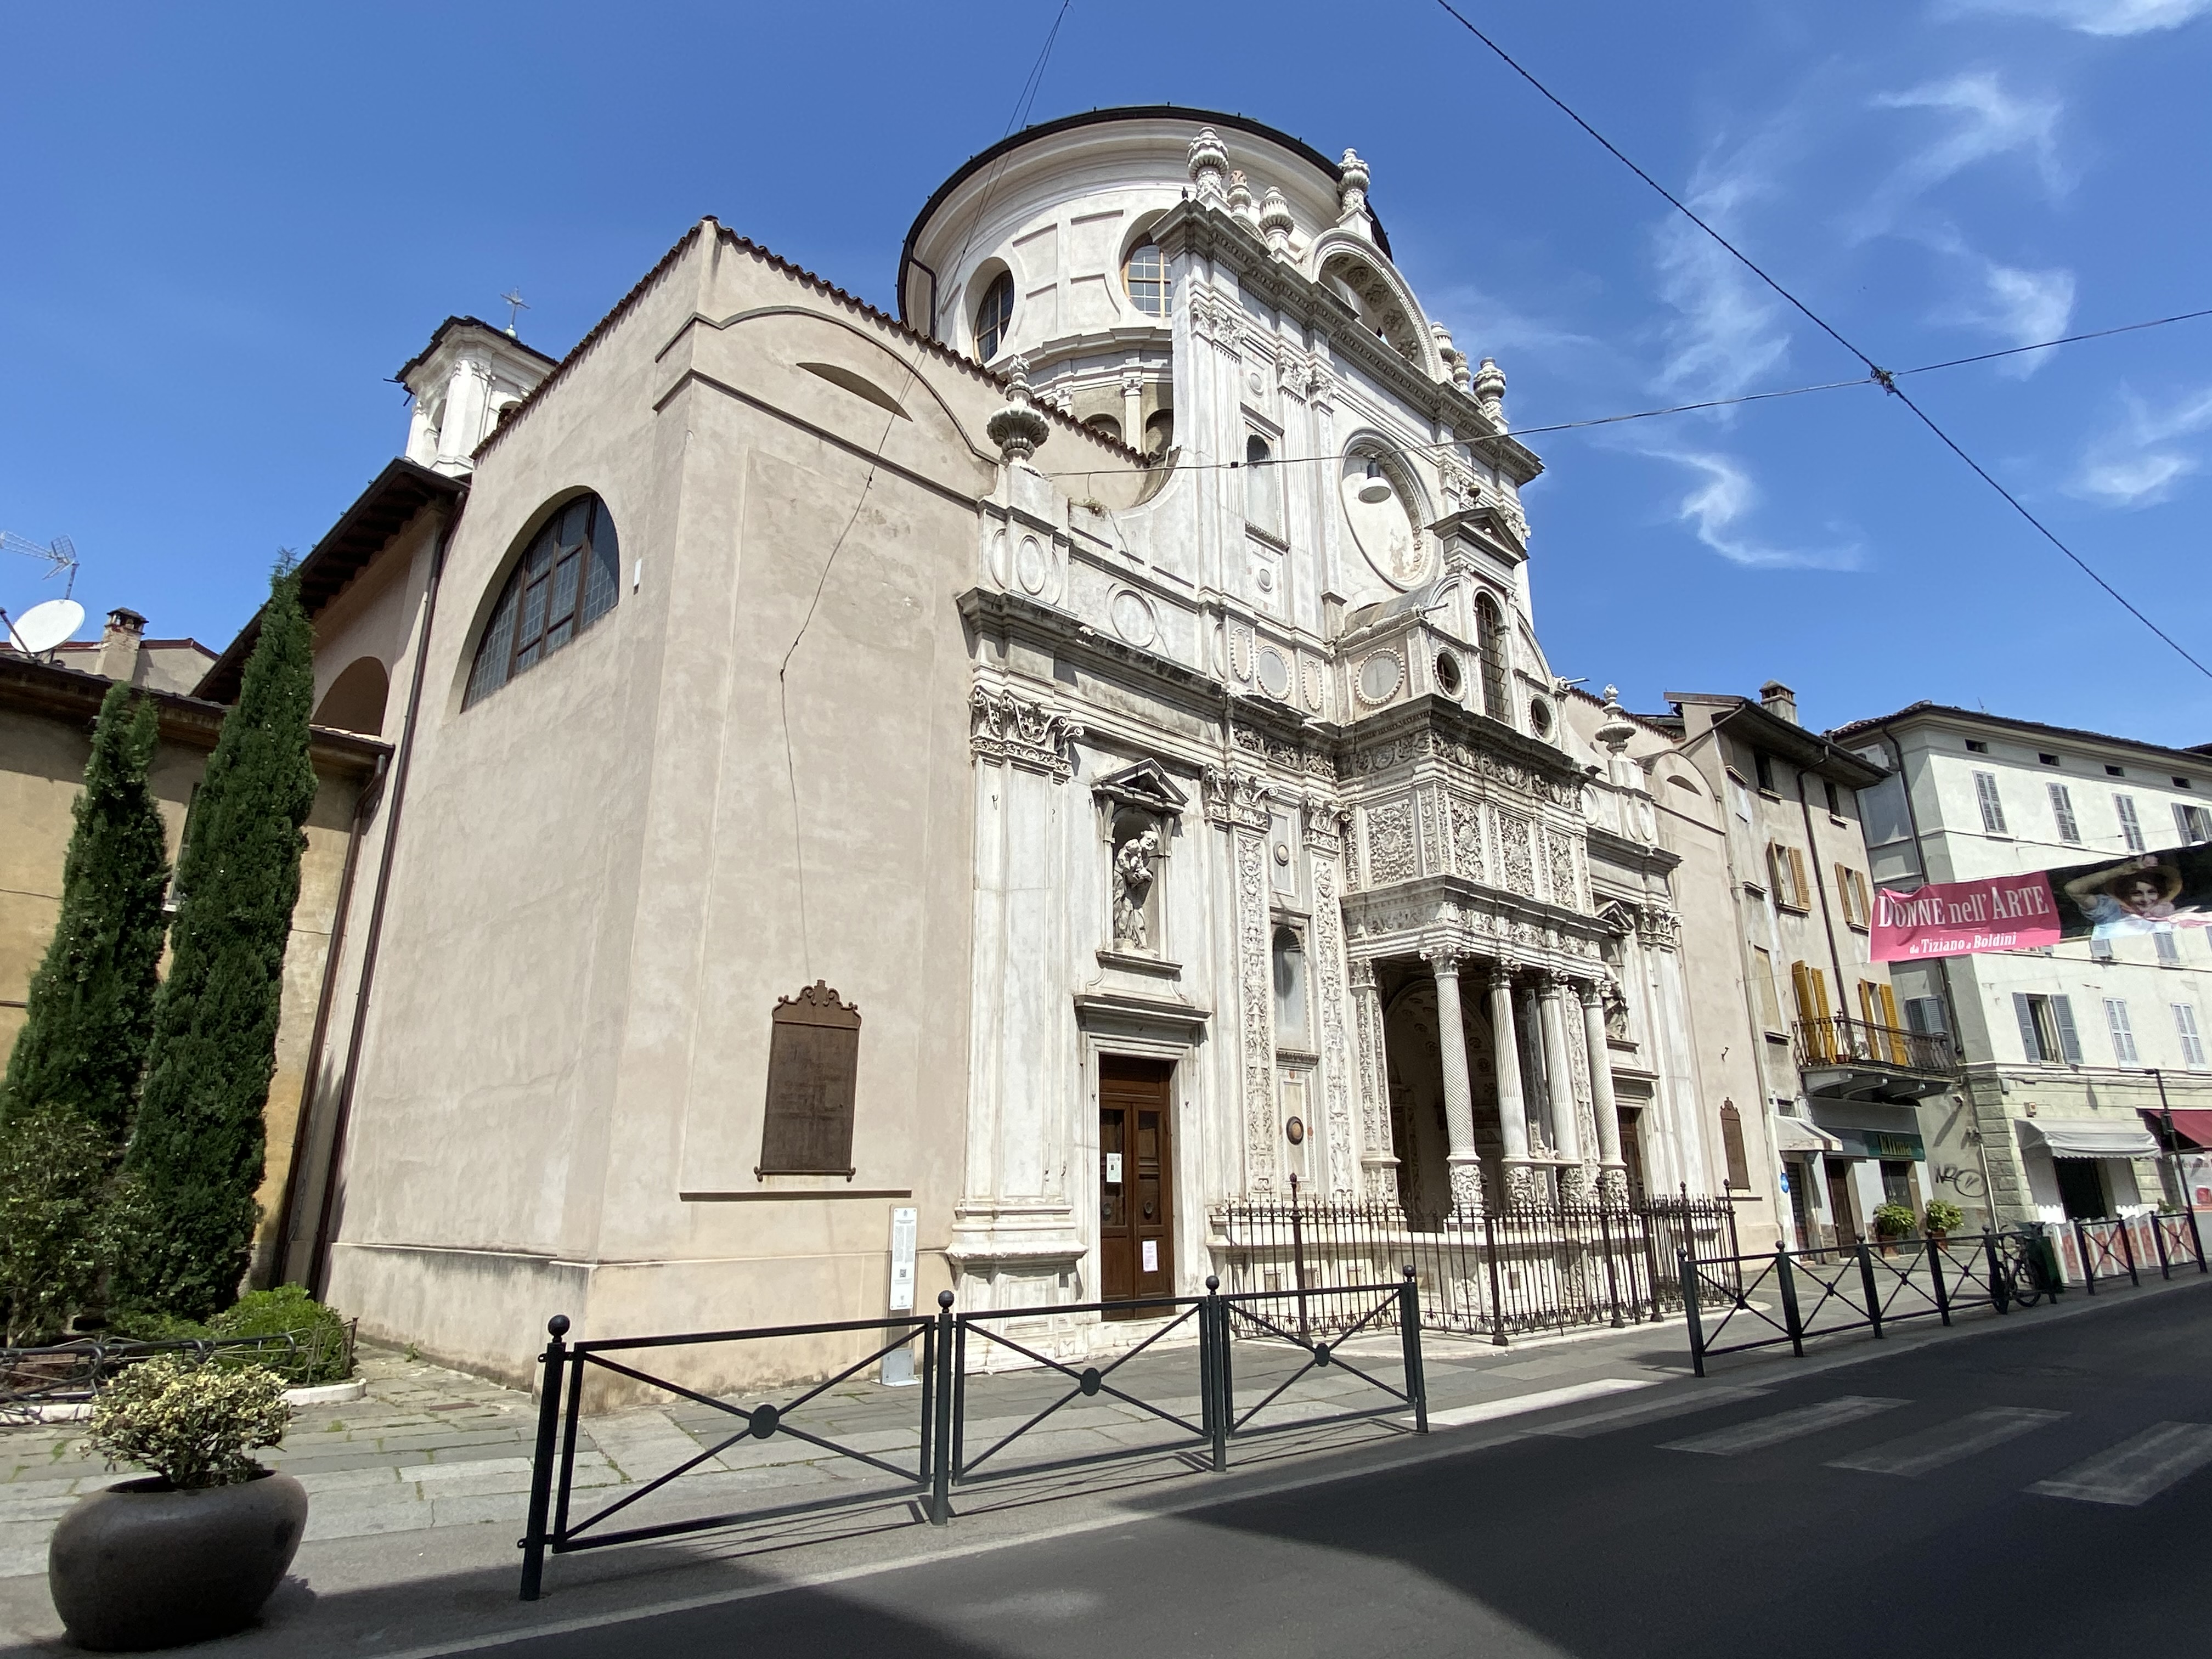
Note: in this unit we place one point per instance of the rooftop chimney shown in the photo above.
(118, 647)
(1778, 699)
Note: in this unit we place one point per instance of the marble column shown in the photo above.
(1465, 1165)
(1378, 1160)
(1519, 1180)
(1611, 1167)
(1560, 1090)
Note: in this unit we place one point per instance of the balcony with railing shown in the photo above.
(1859, 1059)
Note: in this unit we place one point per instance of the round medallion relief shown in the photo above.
(1272, 673)
(1379, 677)
(1133, 617)
(1029, 565)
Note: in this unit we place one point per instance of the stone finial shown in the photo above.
(1018, 430)
(1454, 361)
(1351, 187)
(1209, 167)
(1275, 222)
(1489, 389)
(1616, 730)
(1240, 198)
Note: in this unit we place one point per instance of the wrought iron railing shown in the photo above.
(1502, 1274)
(73, 1372)
(1839, 1041)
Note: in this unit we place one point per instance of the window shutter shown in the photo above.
(2031, 1040)
(1777, 872)
(2124, 1036)
(1799, 886)
(2069, 1040)
(2131, 825)
(1985, 792)
(1888, 997)
(2184, 1025)
(1739, 1167)
(1925, 1015)
(2062, 813)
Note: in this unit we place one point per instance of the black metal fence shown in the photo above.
(944, 1457)
(73, 1372)
(1742, 1303)
(1499, 1275)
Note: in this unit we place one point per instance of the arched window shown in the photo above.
(1290, 965)
(1263, 490)
(1145, 276)
(1160, 432)
(994, 316)
(567, 579)
(1490, 628)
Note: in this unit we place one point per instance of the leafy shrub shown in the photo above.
(1944, 1216)
(289, 1310)
(191, 1425)
(144, 1325)
(56, 1234)
(1892, 1220)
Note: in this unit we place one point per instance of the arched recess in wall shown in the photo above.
(558, 577)
(354, 701)
(1352, 270)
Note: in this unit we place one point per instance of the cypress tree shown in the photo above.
(90, 1010)
(196, 1147)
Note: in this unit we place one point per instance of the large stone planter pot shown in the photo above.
(142, 1564)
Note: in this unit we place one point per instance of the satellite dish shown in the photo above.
(43, 627)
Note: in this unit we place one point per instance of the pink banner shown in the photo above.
(1958, 918)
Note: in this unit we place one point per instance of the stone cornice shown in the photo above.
(1430, 713)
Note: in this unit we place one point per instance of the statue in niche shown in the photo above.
(1133, 888)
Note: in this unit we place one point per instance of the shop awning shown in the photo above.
(2090, 1138)
(1795, 1134)
(2190, 1128)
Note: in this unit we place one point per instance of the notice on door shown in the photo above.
(1152, 1256)
(1113, 1168)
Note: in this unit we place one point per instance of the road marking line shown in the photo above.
(1915, 1455)
(1763, 1431)
(1648, 1411)
(2136, 1469)
(1489, 1411)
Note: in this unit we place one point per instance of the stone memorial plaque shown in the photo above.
(813, 1061)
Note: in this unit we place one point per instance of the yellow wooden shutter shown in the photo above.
(1798, 883)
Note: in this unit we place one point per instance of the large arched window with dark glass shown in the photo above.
(1145, 276)
(568, 578)
(994, 316)
(1489, 632)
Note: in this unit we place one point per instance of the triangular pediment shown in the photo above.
(1147, 785)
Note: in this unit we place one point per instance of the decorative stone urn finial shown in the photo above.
(1275, 222)
(1018, 430)
(1616, 732)
(1454, 360)
(1240, 198)
(1489, 388)
(1209, 167)
(1351, 187)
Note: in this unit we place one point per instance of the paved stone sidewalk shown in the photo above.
(432, 1448)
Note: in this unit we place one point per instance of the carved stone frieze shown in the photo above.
(1234, 796)
(1466, 816)
(1391, 852)
(1516, 869)
(1559, 871)
(1007, 728)
(1335, 1060)
(1656, 929)
(1256, 1000)
(1612, 1185)
(1326, 823)
(1522, 1189)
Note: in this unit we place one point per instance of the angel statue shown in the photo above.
(1133, 886)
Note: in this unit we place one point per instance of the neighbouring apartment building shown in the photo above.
(1840, 1072)
(2072, 1052)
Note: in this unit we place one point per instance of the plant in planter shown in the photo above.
(1943, 1218)
(1891, 1222)
(193, 1550)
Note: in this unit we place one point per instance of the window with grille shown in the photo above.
(2124, 1036)
(2131, 825)
(2194, 822)
(2192, 1044)
(2062, 813)
(1985, 792)
(1489, 624)
(1852, 887)
(1145, 276)
(994, 316)
(567, 579)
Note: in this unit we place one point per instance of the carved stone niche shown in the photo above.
(1140, 813)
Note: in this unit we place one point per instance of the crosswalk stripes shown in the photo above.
(1647, 1411)
(1763, 1431)
(1947, 1443)
(2137, 1470)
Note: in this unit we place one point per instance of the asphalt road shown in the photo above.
(2044, 1488)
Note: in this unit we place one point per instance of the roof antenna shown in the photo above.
(515, 303)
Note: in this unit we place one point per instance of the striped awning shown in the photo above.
(2091, 1137)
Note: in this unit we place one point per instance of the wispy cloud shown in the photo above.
(2017, 304)
(2107, 17)
(1724, 496)
(2139, 461)
(1728, 333)
(1985, 122)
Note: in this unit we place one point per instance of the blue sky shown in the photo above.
(227, 226)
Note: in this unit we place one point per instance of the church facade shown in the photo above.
(1064, 760)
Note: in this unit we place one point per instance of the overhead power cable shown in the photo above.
(1885, 378)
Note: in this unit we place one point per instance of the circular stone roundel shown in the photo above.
(1379, 677)
(1029, 565)
(1133, 617)
(1272, 673)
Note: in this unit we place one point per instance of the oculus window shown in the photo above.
(567, 579)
